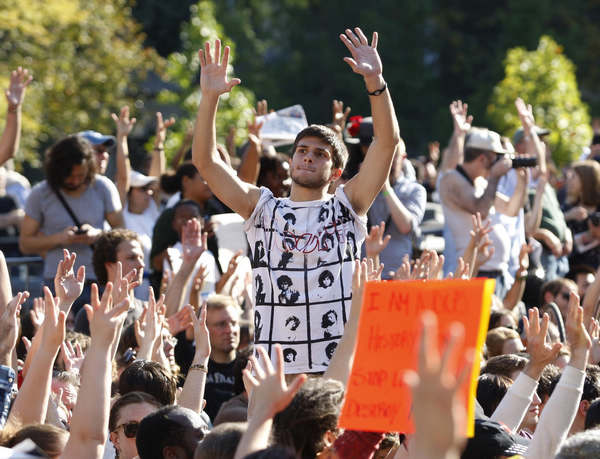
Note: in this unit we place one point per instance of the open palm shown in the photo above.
(213, 73)
(365, 58)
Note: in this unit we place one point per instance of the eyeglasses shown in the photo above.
(565, 296)
(129, 428)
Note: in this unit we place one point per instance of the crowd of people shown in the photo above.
(154, 338)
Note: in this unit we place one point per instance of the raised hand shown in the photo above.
(525, 112)
(193, 240)
(262, 107)
(9, 327)
(577, 336)
(180, 321)
(365, 59)
(213, 70)
(53, 328)
(148, 331)
(19, 80)
(105, 318)
(461, 120)
(339, 114)
(541, 351)
(72, 356)
(36, 314)
(375, 242)
(594, 332)
(254, 128)
(67, 286)
(161, 129)
(359, 279)
(124, 122)
(270, 394)
(435, 386)
(201, 333)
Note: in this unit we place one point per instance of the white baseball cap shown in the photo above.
(484, 139)
(138, 179)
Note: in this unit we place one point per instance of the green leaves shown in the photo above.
(544, 78)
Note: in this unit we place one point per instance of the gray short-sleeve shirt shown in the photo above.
(99, 199)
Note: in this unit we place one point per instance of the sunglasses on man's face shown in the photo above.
(129, 428)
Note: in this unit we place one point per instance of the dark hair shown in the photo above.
(496, 317)
(282, 279)
(325, 275)
(579, 269)
(589, 175)
(313, 411)
(328, 135)
(592, 417)
(325, 322)
(471, 154)
(187, 202)
(105, 250)
(50, 439)
(269, 165)
(221, 442)
(64, 155)
(591, 383)
(554, 287)
(505, 364)
(273, 452)
(150, 377)
(160, 429)
(550, 373)
(172, 183)
(490, 390)
(129, 399)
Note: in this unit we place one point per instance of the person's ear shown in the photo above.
(114, 439)
(336, 173)
(584, 405)
(329, 438)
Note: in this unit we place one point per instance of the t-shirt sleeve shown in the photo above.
(415, 204)
(265, 195)
(361, 220)
(33, 206)
(110, 195)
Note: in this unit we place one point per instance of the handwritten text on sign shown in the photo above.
(377, 398)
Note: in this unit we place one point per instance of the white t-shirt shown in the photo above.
(143, 225)
(302, 260)
(207, 259)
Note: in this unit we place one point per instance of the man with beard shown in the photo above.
(68, 209)
(318, 158)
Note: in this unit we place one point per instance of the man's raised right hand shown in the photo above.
(213, 70)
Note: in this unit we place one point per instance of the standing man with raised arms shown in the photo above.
(296, 240)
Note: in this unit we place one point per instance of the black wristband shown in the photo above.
(378, 91)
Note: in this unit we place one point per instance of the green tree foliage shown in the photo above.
(183, 68)
(87, 59)
(545, 78)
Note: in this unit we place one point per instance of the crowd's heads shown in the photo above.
(492, 440)
(309, 422)
(583, 276)
(502, 340)
(142, 188)
(124, 420)
(172, 431)
(592, 417)
(275, 175)
(481, 142)
(339, 152)
(508, 365)
(490, 390)
(184, 210)
(70, 163)
(519, 137)
(117, 245)
(583, 183)
(221, 442)
(223, 323)
(188, 181)
(581, 445)
(101, 144)
(502, 318)
(50, 439)
(558, 291)
(150, 377)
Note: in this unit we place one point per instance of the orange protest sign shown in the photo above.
(388, 335)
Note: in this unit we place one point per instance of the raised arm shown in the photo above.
(535, 145)
(462, 123)
(9, 142)
(222, 180)
(31, 403)
(158, 164)
(124, 127)
(364, 186)
(90, 417)
(250, 165)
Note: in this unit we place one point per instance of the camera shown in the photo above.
(595, 218)
(524, 161)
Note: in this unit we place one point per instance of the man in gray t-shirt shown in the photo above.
(48, 226)
(401, 205)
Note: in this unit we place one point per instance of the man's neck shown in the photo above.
(74, 193)
(222, 357)
(300, 193)
(471, 170)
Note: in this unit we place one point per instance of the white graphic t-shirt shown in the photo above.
(302, 262)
